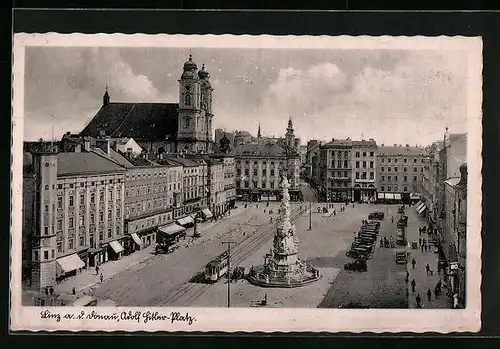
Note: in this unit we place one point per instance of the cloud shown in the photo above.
(67, 84)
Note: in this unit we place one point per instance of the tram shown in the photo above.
(217, 268)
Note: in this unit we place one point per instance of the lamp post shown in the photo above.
(228, 271)
(310, 215)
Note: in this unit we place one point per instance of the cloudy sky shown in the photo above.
(389, 95)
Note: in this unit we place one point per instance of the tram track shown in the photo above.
(190, 291)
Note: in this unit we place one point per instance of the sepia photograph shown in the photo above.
(330, 183)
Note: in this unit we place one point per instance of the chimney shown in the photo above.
(129, 153)
(104, 145)
(86, 143)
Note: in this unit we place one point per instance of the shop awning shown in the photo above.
(136, 239)
(207, 213)
(421, 209)
(381, 195)
(70, 263)
(419, 205)
(397, 196)
(116, 246)
(189, 220)
(389, 196)
(171, 228)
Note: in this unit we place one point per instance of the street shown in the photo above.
(176, 279)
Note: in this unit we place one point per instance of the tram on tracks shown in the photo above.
(217, 268)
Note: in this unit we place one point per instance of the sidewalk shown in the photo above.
(88, 278)
(422, 280)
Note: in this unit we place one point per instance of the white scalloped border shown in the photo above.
(269, 320)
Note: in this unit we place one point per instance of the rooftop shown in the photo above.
(151, 121)
(262, 150)
(85, 163)
(180, 160)
(401, 151)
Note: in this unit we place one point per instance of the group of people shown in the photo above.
(413, 284)
(384, 242)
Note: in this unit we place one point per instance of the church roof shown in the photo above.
(141, 121)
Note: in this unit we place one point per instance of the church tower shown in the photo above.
(192, 125)
(206, 104)
(290, 136)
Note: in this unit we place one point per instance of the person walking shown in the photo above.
(422, 248)
(429, 294)
(419, 301)
(101, 277)
(413, 285)
(413, 262)
(97, 270)
(436, 292)
(407, 277)
(419, 241)
(427, 269)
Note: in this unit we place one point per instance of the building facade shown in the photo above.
(364, 165)
(335, 171)
(153, 197)
(76, 219)
(400, 171)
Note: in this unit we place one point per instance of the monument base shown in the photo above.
(263, 277)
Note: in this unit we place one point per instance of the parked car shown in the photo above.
(358, 253)
(356, 265)
(401, 257)
(376, 216)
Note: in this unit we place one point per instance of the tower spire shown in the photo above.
(106, 98)
(259, 135)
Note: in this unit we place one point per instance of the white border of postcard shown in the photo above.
(259, 319)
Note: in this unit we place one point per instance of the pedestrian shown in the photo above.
(101, 277)
(419, 301)
(429, 294)
(407, 274)
(438, 285)
(425, 247)
(407, 293)
(436, 292)
(420, 242)
(51, 290)
(97, 270)
(427, 269)
(424, 241)
(422, 248)
(413, 285)
(47, 290)
(74, 291)
(381, 242)
(392, 219)
(455, 301)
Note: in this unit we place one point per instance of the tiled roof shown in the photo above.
(262, 150)
(403, 151)
(363, 143)
(113, 156)
(183, 161)
(150, 121)
(338, 143)
(84, 163)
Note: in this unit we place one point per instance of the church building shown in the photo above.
(183, 127)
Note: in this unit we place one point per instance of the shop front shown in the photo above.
(115, 250)
(68, 266)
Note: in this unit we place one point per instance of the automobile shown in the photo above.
(357, 253)
(356, 265)
(401, 257)
(367, 239)
(360, 244)
(368, 235)
(376, 216)
(369, 230)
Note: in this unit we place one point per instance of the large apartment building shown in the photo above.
(73, 212)
(335, 170)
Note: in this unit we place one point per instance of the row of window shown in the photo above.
(82, 241)
(382, 159)
(146, 189)
(382, 188)
(171, 176)
(340, 173)
(71, 199)
(256, 172)
(364, 154)
(83, 184)
(362, 175)
(345, 164)
(364, 164)
(390, 178)
(247, 162)
(396, 169)
(71, 220)
(339, 184)
(339, 153)
(145, 206)
(255, 185)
